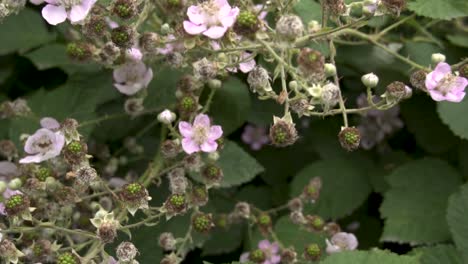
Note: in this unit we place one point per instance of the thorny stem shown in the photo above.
(337, 83)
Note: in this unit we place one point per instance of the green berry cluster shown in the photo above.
(66, 258)
(177, 200)
(133, 188)
(202, 223)
(14, 201)
(75, 147)
(247, 19)
(43, 173)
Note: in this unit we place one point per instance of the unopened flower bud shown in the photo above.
(165, 29)
(349, 138)
(330, 95)
(313, 26)
(259, 81)
(330, 69)
(295, 204)
(166, 117)
(418, 80)
(167, 241)
(124, 9)
(213, 156)
(193, 162)
(215, 84)
(437, 58)
(126, 252)
(370, 80)
(290, 27)
(123, 36)
(134, 106)
(312, 252)
(212, 174)
(202, 223)
(297, 217)
(79, 51)
(15, 184)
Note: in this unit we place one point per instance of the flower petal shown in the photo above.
(54, 14)
(79, 12)
(455, 97)
(128, 89)
(50, 123)
(215, 32)
(202, 120)
(209, 146)
(215, 133)
(195, 15)
(38, 158)
(437, 96)
(230, 18)
(148, 77)
(247, 66)
(190, 146)
(185, 129)
(193, 29)
(264, 245)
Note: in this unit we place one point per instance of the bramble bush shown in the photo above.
(233, 131)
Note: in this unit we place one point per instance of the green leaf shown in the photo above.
(439, 254)
(459, 40)
(457, 218)
(439, 9)
(293, 235)
(422, 120)
(78, 99)
(308, 10)
(223, 241)
(369, 257)
(345, 186)
(414, 207)
(54, 55)
(231, 105)
(238, 166)
(161, 90)
(420, 52)
(23, 31)
(450, 114)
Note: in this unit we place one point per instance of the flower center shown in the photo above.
(446, 83)
(200, 134)
(43, 144)
(69, 3)
(211, 13)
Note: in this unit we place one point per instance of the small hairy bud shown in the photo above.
(170, 148)
(283, 132)
(312, 252)
(16, 205)
(202, 223)
(149, 42)
(418, 80)
(242, 210)
(167, 241)
(124, 9)
(311, 63)
(332, 228)
(290, 27)
(335, 7)
(177, 181)
(204, 69)
(395, 6)
(79, 51)
(315, 223)
(297, 217)
(330, 95)
(193, 162)
(259, 81)
(349, 138)
(212, 174)
(397, 91)
(288, 256)
(134, 106)
(15, 184)
(107, 232)
(68, 258)
(126, 252)
(199, 195)
(464, 70)
(295, 204)
(123, 36)
(215, 84)
(85, 175)
(330, 69)
(176, 204)
(8, 149)
(96, 26)
(166, 117)
(370, 80)
(247, 23)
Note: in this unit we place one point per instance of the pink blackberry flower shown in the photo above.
(443, 85)
(341, 241)
(57, 11)
(132, 76)
(211, 18)
(255, 136)
(200, 136)
(44, 144)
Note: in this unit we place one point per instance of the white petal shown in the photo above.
(54, 14)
